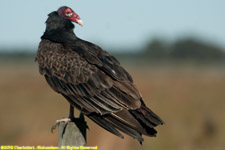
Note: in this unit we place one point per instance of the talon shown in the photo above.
(65, 120)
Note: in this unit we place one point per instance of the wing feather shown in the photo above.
(94, 82)
(92, 85)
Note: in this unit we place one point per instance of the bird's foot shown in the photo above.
(65, 120)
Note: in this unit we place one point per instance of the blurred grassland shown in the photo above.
(190, 99)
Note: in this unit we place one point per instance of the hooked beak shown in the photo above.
(80, 22)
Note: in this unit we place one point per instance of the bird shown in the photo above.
(91, 79)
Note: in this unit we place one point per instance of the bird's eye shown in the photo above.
(69, 14)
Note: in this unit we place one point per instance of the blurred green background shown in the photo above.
(182, 80)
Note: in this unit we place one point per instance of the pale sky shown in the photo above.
(118, 23)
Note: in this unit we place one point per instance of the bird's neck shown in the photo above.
(59, 35)
(58, 29)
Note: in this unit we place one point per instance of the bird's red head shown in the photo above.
(69, 14)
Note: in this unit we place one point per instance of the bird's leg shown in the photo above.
(81, 117)
(71, 115)
(65, 120)
(81, 124)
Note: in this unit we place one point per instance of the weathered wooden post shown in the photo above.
(73, 134)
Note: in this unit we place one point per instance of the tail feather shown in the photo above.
(124, 128)
(105, 124)
(131, 122)
(142, 119)
(151, 116)
(147, 119)
(111, 124)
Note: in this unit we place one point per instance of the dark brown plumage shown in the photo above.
(92, 80)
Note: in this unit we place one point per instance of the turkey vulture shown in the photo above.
(91, 79)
